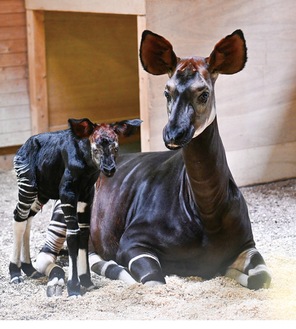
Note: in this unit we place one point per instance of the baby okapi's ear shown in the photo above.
(156, 54)
(81, 128)
(127, 127)
(229, 55)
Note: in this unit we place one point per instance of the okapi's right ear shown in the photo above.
(156, 54)
(81, 128)
(127, 127)
(229, 55)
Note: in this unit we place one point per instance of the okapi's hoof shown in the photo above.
(17, 279)
(56, 282)
(86, 282)
(30, 271)
(73, 289)
(259, 277)
(55, 287)
(15, 274)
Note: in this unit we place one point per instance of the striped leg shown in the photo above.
(72, 236)
(45, 261)
(146, 268)
(143, 265)
(27, 206)
(84, 212)
(249, 270)
(109, 269)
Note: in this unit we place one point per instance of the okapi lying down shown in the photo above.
(63, 165)
(179, 212)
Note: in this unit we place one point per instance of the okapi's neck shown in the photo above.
(208, 174)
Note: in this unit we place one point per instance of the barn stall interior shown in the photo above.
(61, 59)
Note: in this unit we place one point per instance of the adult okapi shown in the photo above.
(179, 212)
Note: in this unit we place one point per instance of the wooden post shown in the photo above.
(37, 71)
(143, 90)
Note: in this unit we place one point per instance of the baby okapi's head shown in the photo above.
(190, 88)
(103, 140)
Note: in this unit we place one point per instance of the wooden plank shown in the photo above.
(13, 73)
(12, 6)
(13, 86)
(15, 138)
(125, 7)
(13, 46)
(263, 164)
(14, 99)
(17, 112)
(17, 59)
(14, 127)
(12, 33)
(37, 71)
(12, 19)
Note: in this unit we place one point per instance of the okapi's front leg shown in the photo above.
(250, 270)
(84, 212)
(142, 264)
(69, 206)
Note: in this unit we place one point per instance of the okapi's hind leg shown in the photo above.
(26, 208)
(250, 270)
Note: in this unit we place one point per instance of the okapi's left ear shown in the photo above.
(229, 55)
(127, 127)
(156, 54)
(81, 128)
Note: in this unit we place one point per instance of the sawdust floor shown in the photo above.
(272, 210)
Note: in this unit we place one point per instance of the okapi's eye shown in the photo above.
(167, 95)
(203, 97)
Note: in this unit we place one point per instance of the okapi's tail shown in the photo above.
(109, 269)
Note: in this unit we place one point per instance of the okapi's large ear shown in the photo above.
(229, 55)
(156, 54)
(127, 127)
(81, 128)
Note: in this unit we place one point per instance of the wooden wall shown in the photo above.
(256, 107)
(15, 120)
(92, 67)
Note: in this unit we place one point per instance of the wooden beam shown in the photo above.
(123, 7)
(143, 92)
(37, 71)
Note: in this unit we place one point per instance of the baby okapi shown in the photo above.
(63, 165)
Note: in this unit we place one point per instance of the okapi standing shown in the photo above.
(63, 165)
(179, 212)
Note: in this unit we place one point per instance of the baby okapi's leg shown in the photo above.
(84, 213)
(73, 235)
(250, 270)
(27, 206)
(45, 261)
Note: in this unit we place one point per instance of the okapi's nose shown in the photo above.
(109, 171)
(108, 167)
(174, 138)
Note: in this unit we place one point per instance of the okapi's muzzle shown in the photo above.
(175, 138)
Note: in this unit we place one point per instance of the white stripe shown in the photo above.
(141, 256)
(67, 205)
(81, 206)
(72, 232)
